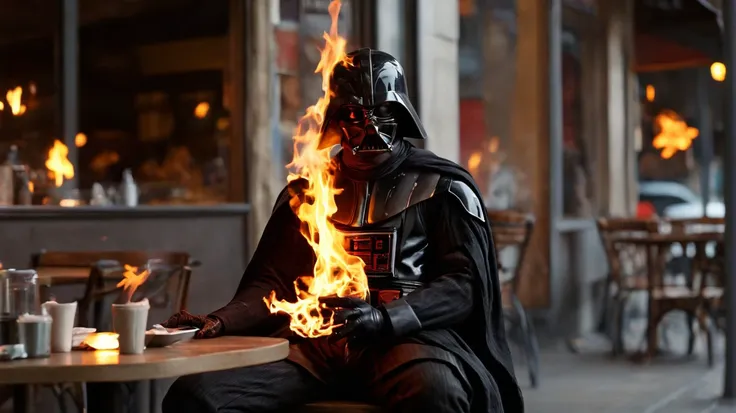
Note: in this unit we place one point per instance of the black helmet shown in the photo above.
(370, 104)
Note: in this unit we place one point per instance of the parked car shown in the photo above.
(675, 200)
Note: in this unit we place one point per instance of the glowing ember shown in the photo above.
(58, 163)
(13, 97)
(674, 134)
(132, 279)
(102, 341)
(335, 272)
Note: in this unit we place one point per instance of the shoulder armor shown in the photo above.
(292, 188)
(465, 194)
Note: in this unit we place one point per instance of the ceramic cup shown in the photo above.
(129, 321)
(61, 330)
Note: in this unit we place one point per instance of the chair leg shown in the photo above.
(691, 334)
(531, 346)
(618, 328)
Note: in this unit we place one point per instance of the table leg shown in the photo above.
(153, 398)
(23, 398)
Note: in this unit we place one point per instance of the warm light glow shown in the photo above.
(2, 106)
(70, 203)
(80, 140)
(132, 279)
(58, 163)
(674, 134)
(13, 97)
(718, 71)
(32, 88)
(201, 110)
(31, 187)
(651, 93)
(335, 271)
(102, 341)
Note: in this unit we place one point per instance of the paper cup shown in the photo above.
(129, 320)
(61, 330)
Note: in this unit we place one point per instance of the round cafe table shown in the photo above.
(191, 357)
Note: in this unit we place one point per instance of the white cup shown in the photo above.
(129, 321)
(62, 315)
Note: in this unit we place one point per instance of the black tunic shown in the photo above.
(459, 309)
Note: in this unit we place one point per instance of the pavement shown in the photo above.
(585, 378)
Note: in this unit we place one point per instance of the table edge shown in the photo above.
(131, 372)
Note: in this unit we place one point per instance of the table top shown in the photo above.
(191, 357)
(671, 238)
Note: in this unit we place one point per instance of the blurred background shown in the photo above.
(155, 124)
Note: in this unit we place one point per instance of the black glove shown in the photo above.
(209, 327)
(359, 319)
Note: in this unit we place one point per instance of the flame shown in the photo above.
(335, 271)
(132, 280)
(58, 163)
(13, 97)
(674, 134)
(102, 341)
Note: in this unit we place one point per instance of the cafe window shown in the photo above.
(583, 60)
(489, 69)
(298, 42)
(152, 101)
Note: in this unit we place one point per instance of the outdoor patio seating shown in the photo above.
(511, 234)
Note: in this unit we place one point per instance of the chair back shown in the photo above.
(166, 287)
(626, 260)
(512, 231)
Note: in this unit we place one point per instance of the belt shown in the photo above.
(383, 291)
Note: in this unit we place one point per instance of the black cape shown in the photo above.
(484, 332)
(480, 342)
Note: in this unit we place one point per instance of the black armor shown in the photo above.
(382, 227)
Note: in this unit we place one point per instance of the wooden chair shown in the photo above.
(513, 230)
(167, 287)
(627, 268)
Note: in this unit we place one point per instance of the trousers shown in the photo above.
(394, 378)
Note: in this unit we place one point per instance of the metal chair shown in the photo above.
(167, 287)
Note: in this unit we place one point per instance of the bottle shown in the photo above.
(129, 189)
(7, 177)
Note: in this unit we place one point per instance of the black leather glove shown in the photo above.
(209, 327)
(359, 319)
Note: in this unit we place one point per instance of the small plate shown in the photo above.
(174, 335)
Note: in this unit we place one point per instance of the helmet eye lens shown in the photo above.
(384, 111)
(351, 114)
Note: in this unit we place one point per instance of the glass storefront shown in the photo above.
(151, 100)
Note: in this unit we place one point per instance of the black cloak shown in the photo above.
(480, 342)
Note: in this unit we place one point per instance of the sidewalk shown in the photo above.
(593, 382)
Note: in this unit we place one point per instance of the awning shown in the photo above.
(676, 34)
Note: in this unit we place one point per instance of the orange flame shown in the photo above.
(336, 272)
(59, 164)
(13, 96)
(132, 280)
(674, 134)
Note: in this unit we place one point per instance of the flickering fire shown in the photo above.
(13, 97)
(102, 341)
(132, 279)
(58, 163)
(335, 272)
(674, 134)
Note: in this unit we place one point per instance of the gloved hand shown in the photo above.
(209, 327)
(359, 319)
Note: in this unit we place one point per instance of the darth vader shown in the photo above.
(431, 337)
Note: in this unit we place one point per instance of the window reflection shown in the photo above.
(152, 82)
